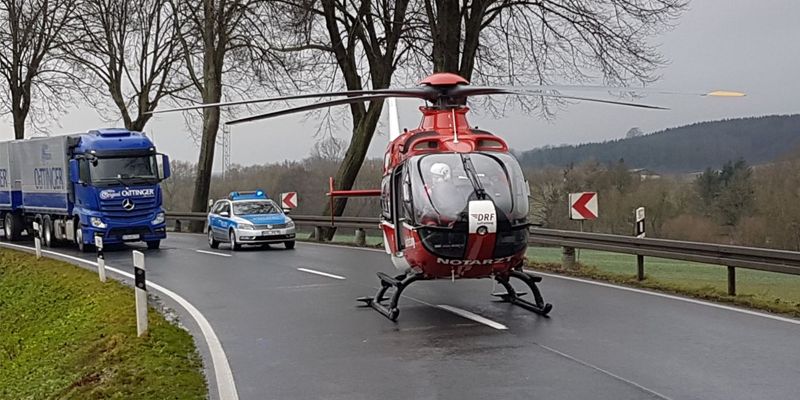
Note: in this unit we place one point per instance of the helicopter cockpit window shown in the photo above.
(445, 187)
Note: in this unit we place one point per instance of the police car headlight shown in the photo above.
(160, 217)
(97, 222)
(247, 227)
(290, 224)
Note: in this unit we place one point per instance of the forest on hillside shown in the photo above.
(687, 148)
(731, 203)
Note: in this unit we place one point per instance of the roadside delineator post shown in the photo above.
(101, 258)
(731, 281)
(141, 293)
(639, 231)
(37, 241)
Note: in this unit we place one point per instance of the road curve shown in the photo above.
(289, 324)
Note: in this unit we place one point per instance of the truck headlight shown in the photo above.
(160, 217)
(290, 224)
(247, 227)
(97, 222)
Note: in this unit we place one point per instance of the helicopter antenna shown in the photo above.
(394, 121)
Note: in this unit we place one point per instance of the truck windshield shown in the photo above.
(254, 208)
(128, 170)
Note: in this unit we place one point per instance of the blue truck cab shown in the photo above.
(100, 183)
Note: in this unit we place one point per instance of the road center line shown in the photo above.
(475, 317)
(311, 271)
(213, 253)
(226, 387)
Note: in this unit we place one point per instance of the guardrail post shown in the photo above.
(568, 258)
(141, 293)
(640, 267)
(177, 225)
(361, 237)
(37, 241)
(101, 258)
(731, 281)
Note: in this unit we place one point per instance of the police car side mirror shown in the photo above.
(224, 214)
(287, 210)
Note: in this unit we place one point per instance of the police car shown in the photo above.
(249, 218)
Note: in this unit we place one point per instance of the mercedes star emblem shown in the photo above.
(128, 204)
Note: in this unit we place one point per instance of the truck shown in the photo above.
(103, 182)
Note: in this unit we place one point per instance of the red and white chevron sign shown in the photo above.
(289, 200)
(583, 205)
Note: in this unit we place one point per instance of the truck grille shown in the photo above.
(142, 208)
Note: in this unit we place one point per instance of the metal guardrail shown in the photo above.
(779, 261)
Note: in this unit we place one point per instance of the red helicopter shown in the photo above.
(454, 200)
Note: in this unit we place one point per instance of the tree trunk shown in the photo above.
(205, 165)
(446, 36)
(353, 159)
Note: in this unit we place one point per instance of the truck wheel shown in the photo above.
(232, 238)
(153, 244)
(213, 243)
(12, 227)
(289, 245)
(83, 247)
(47, 231)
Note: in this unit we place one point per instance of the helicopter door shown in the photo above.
(398, 206)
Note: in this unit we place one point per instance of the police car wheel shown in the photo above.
(289, 245)
(213, 243)
(232, 238)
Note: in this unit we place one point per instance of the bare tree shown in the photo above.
(127, 49)
(222, 38)
(518, 42)
(357, 45)
(31, 58)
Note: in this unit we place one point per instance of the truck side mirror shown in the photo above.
(74, 172)
(163, 166)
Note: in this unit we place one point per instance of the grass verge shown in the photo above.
(768, 291)
(66, 335)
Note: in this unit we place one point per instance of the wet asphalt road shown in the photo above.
(290, 334)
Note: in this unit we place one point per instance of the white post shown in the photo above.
(36, 241)
(101, 259)
(141, 293)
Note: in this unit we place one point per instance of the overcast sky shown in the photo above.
(744, 45)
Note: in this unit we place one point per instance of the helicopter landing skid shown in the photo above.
(515, 298)
(399, 283)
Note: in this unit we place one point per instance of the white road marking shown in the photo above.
(475, 317)
(222, 370)
(596, 368)
(213, 253)
(311, 271)
(672, 297)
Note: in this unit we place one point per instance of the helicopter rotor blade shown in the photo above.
(309, 107)
(467, 91)
(477, 90)
(421, 92)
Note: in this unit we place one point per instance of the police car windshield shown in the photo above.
(124, 168)
(254, 208)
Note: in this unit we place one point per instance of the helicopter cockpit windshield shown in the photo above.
(445, 183)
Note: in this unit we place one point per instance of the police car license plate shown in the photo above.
(270, 233)
(130, 237)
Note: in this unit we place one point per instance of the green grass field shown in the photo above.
(66, 335)
(778, 292)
